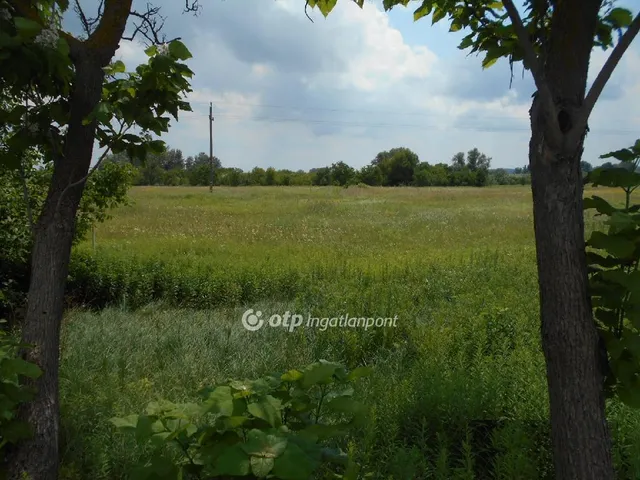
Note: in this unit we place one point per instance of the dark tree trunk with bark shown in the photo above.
(580, 435)
(39, 457)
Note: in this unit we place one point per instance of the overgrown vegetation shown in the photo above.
(457, 390)
(278, 426)
(614, 257)
(22, 194)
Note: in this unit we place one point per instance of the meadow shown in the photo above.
(458, 388)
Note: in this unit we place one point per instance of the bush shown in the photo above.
(279, 426)
(12, 393)
(106, 188)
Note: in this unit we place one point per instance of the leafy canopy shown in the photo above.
(37, 76)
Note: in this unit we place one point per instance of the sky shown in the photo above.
(291, 93)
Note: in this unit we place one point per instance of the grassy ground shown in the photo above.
(458, 389)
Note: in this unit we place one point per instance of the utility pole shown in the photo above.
(211, 146)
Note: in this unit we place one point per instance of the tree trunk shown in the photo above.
(39, 457)
(580, 436)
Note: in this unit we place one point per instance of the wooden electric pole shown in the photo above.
(211, 146)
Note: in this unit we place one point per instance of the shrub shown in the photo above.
(278, 426)
(12, 393)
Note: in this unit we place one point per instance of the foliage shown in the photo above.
(12, 393)
(106, 189)
(458, 387)
(613, 259)
(276, 426)
(141, 98)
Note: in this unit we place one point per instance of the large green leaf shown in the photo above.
(616, 246)
(268, 409)
(294, 464)
(233, 460)
(319, 373)
(262, 444)
(178, 50)
(18, 366)
(261, 466)
(600, 204)
(220, 401)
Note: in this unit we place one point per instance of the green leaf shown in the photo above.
(620, 17)
(621, 222)
(220, 401)
(493, 54)
(345, 405)
(291, 376)
(15, 430)
(144, 428)
(261, 444)
(319, 373)
(616, 246)
(294, 464)
(151, 51)
(18, 366)
(261, 466)
(624, 155)
(422, 11)
(359, 372)
(630, 395)
(27, 27)
(600, 204)
(455, 26)
(128, 423)
(232, 461)
(178, 50)
(116, 67)
(156, 147)
(438, 14)
(326, 6)
(268, 409)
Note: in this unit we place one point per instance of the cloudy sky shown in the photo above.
(290, 93)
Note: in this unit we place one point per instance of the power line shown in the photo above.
(345, 110)
(481, 126)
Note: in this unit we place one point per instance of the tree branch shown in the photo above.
(104, 155)
(532, 62)
(150, 25)
(607, 70)
(106, 37)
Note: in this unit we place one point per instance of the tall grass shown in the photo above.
(459, 388)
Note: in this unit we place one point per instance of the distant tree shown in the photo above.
(341, 174)
(501, 177)
(481, 177)
(397, 166)
(322, 176)
(172, 159)
(270, 176)
(458, 161)
(257, 176)
(370, 175)
(607, 165)
(477, 160)
(585, 166)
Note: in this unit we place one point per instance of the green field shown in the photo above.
(458, 389)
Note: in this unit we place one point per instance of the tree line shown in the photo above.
(396, 167)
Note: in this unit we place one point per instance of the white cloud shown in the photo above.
(295, 94)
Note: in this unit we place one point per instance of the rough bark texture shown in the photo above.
(580, 435)
(39, 457)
